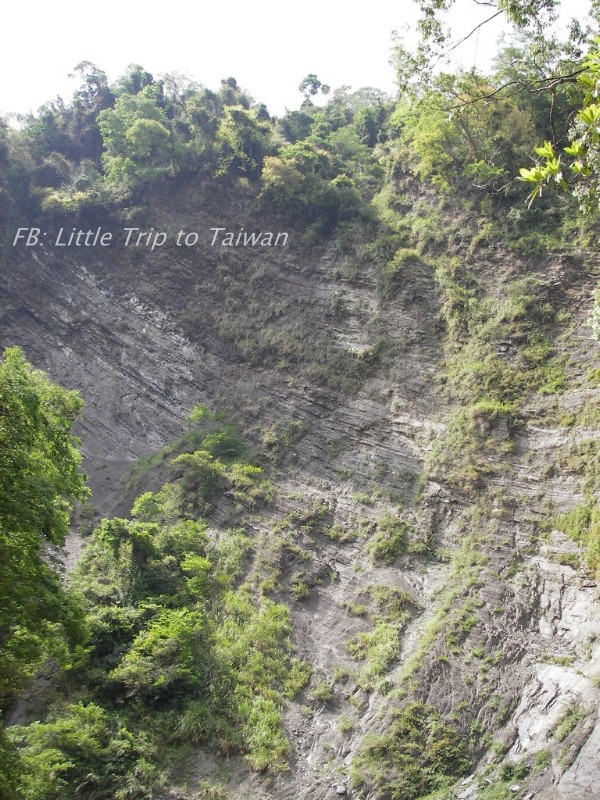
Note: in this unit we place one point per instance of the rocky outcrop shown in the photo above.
(339, 386)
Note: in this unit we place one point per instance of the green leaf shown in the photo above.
(546, 150)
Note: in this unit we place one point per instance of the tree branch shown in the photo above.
(468, 36)
(550, 83)
(552, 120)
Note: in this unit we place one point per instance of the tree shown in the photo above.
(136, 137)
(166, 658)
(94, 94)
(242, 142)
(146, 136)
(16, 166)
(550, 65)
(40, 477)
(89, 99)
(584, 150)
(82, 751)
(303, 184)
(311, 86)
(230, 94)
(133, 81)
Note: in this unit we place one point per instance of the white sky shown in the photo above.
(268, 46)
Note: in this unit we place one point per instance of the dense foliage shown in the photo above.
(39, 479)
(316, 166)
(418, 754)
(178, 650)
(584, 149)
(82, 157)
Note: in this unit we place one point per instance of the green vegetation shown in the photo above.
(85, 748)
(498, 787)
(345, 724)
(207, 460)
(451, 618)
(418, 754)
(173, 632)
(377, 648)
(321, 692)
(584, 148)
(169, 628)
(388, 610)
(582, 523)
(390, 540)
(568, 722)
(85, 158)
(39, 479)
(394, 605)
(176, 646)
(491, 386)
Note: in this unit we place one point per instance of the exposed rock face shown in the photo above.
(305, 354)
(569, 625)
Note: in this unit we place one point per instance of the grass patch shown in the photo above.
(582, 524)
(377, 648)
(568, 722)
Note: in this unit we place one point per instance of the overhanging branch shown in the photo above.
(468, 36)
(543, 85)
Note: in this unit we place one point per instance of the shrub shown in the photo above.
(345, 724)
(166, 658)
(378, 648)
(84, 751)
(321, 692)
(583, 525)
(390, 540)
(263, 733)
(418, 754)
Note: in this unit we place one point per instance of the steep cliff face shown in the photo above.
(418, 565)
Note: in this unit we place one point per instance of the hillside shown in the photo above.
(418, 381)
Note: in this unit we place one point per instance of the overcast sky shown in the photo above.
(268, 46)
